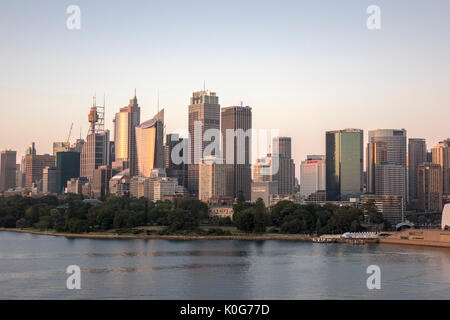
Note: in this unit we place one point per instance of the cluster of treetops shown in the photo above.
(70, 214)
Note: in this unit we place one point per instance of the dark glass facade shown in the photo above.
(344, 164)
(67, 167)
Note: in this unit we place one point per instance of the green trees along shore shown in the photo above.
(70, 214)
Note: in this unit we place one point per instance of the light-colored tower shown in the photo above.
(204, 114)
(386, 163)
(150, 145)
(236, 125)
(125, 123)
(312, 175)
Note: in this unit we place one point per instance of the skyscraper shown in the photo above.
(35, 165)
(96, 148)
(67, 167)
(150, 145)
(344, 164)
(125, 123)
(236, 123)
(312, 175)
(284, 173)
(7, 170)
(175, 170)
(417, 154)
(429, 187)
(386, 163)
(441, 155)
(204, 114)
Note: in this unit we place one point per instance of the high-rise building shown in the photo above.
(386, 163)
(175, 170)
(204, 114)
(429, 187)
(100, 181)
(344, 164)
(35, 165)
(150, 145)
(417, 154)
(125, 123)
(284, 172)
(312, 175)
(441, 155)
(236, 123)
(67, 167)
(212, 178)
(96, 148)
(49, 180)
(78, 146)
(7, 170)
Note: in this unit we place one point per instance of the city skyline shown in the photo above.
(329, 72)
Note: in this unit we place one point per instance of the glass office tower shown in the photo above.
(344, 164)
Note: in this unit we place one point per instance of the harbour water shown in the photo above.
(34, 267)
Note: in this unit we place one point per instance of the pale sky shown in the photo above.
(303, 66)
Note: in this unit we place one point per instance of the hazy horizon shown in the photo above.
(304, 67)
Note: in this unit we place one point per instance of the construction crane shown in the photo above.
(70, 133)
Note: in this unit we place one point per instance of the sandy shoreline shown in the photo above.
(166, 237)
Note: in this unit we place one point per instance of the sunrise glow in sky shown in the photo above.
(303, 66)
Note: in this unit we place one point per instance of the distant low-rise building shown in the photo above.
(119, 185)
(221, 211)
(264, 190)
(392, 207)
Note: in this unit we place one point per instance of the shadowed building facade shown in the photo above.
(204, 114)
(429, 187)
(67, 167)
(236, 124)
(386, 163)
(7, 170)
(344, 164)
(441, 156)
(35, 165)
(417, 154)
(284, 170)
